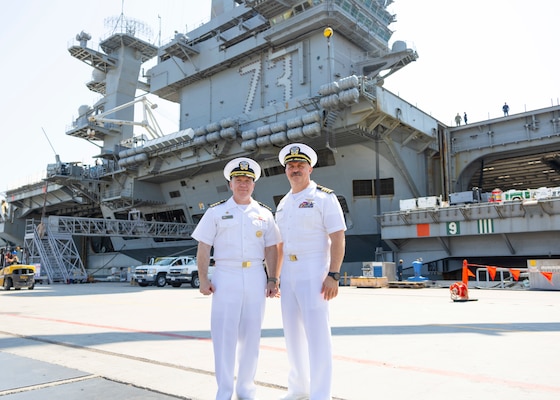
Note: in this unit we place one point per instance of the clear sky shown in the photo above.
(474, 55)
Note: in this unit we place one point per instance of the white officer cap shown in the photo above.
(297, 152)
(242, 166)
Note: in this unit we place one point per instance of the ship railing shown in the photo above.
(50, 250)
(22, 185)
(377, 25)
(121, 228)
(116, 194)
(506, 278)
(36, 251)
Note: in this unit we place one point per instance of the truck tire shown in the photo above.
(195, 281)
(7, 283)
(160, 280)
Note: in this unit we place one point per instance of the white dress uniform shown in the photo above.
(240, 289)
(305, 220)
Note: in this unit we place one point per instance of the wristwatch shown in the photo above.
(335, 275)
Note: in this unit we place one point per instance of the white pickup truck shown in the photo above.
(188, 273)
(156, 273)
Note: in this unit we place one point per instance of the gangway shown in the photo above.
(136, 227)
(49, 242)
(56, 253)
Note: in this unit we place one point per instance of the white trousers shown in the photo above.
(236, 320)
(305, 316)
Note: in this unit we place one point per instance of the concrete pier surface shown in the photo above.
(117, 341)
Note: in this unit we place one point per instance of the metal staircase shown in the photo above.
(48, 242)
(55, 252)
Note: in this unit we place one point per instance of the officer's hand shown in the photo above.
(272, 290)
(206, 287)
(330, 288)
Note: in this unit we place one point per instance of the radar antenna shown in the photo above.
(56, 156)
(44, 211)
(130, 26)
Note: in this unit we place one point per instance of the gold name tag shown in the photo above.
(246, 264)
(292, 257)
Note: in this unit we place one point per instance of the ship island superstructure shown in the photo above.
(259, 75)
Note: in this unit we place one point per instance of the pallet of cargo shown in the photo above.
(367, 281)
(407, 284)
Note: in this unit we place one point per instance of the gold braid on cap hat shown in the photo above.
(243, 170)
(296, 155)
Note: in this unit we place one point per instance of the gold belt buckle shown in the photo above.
(246, 264)
(292, 257)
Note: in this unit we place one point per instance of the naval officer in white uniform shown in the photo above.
(312, 226)
(243, 234)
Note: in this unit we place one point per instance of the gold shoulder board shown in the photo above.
(217, 203)
(264, 205)
(324, 189)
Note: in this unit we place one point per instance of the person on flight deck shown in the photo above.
(400, 270)
(243, 234)
(4, 209)
(9, 258)
(312, 226)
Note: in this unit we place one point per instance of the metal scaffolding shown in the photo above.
(49, 242)
(54, 252)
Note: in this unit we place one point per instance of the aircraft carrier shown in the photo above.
(259, 75)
